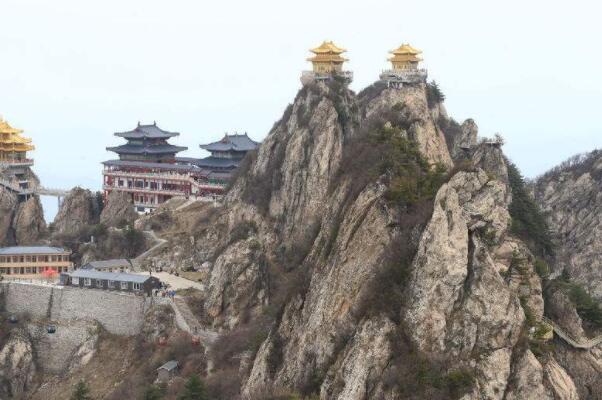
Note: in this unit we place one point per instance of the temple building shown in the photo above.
(147, 143)
(32, 260)
(405, 70)
(13, 146)
(15, 162)
(150, 171)
(327, 62)
(226, 154)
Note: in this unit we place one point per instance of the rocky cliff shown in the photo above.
(21, 221)
(118, 210)
(80, 210)
(367, 266)
(571, 196)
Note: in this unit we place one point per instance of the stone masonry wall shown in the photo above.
(118, 313)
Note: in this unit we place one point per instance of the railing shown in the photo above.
(40, 190)
(26, 162)
(308, 75)
(44, 191)
(567, 337)
(15, 187)
(417, 71)
(144, 190)
(408, 75)
(143, 175)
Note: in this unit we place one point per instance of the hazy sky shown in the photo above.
(72, 72)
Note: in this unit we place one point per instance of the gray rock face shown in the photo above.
(17, 367)
(300, 156)
(21, 223)
(118, 210)
(571, 196)
(465, 141)
(459, 304)
(491, 159)
(8, 205)
(242, 272)
(562, 311)
(78, 211)
(29, 225)
(413, 108)
(461, 307)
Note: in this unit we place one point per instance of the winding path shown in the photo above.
(159, 244)
(567, 337)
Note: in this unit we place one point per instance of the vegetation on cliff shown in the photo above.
(528, 221)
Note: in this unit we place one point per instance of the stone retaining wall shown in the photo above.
(118, 313)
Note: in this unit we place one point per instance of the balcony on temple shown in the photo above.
(404, 67)
(327, 63)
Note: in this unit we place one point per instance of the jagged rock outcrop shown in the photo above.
(28, 223)
(299, 234)
(295, 164)
(462, 143)
(21, 223)
(17, 366)
(571, 196)
(80, 209)
(118, 210)
(411, 103)
(242, 271)
(458, 307)
(8, 205)
(561, 310)
(491, 159)
(527, 380)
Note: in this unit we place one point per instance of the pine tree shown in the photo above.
(81, 392)
(153, 392)
(194, 389)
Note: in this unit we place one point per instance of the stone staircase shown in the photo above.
(577, 343)
(186, 321)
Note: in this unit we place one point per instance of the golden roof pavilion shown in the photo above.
(327, 58)
(405, 57)
(13, 146)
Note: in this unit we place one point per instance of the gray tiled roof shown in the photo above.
(216, 162)
(146, 131)
(110, 276)
(232, 143)
(148, 149)
(117, 263)
(16, 250)
(170, 365)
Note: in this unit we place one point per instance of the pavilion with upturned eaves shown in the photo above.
(327, 62)
(404, 67)
(13, 146)
(149, 170)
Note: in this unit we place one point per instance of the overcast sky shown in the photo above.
(72, 72)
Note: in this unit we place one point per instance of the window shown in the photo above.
(111, 284)
(87, 281)
(136, 286)
(124, 286)
(75, 281)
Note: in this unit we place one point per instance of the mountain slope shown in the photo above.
(365, 266)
